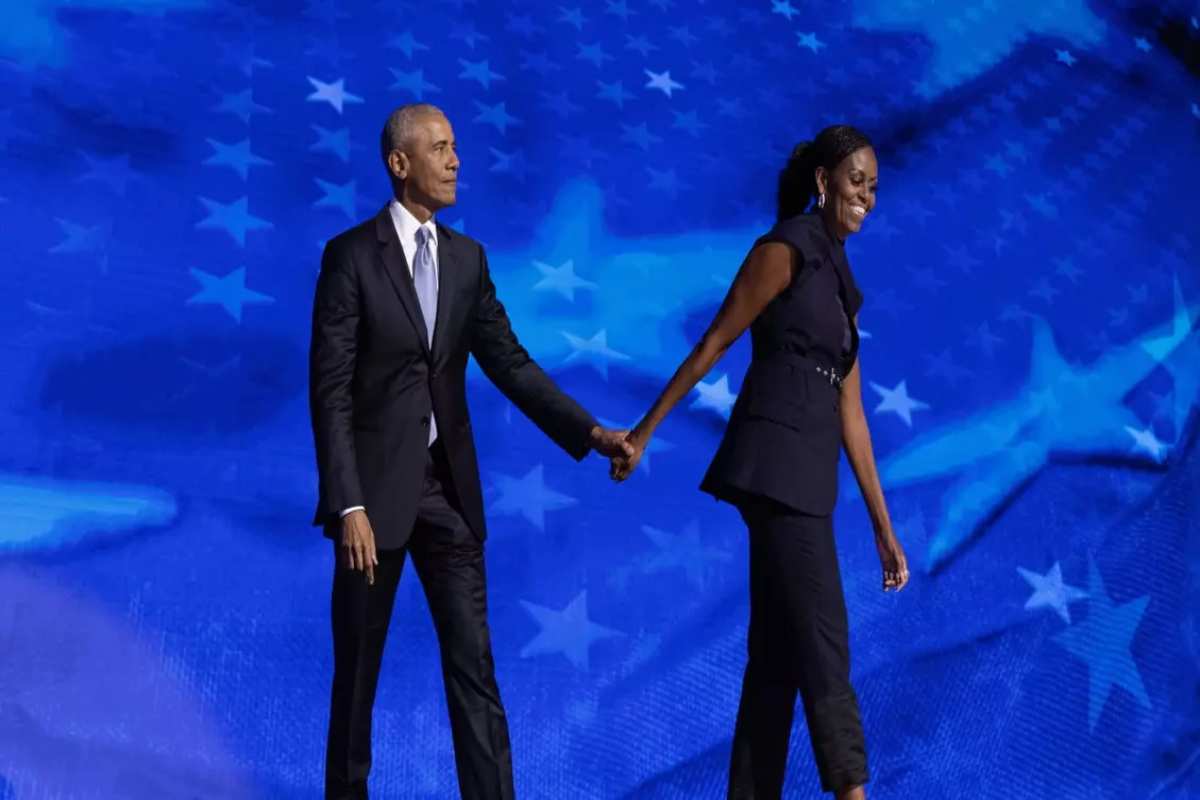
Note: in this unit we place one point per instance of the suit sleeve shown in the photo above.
(331, 375)
(509, 366)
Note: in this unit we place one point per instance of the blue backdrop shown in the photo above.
(172, 169)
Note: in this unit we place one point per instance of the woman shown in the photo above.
(800, 404)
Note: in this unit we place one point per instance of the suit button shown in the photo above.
(424, 422)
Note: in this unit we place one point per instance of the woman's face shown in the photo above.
(849, 191)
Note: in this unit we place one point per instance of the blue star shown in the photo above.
(810, 41)
(114, 172)
(82, 239)
(783, 8)
(561, 279)
(613, 91)
(522, 25)
(336, 142)
(1147, 441)
(241, 56)
(595, 351)
(234, 218)
(241, 105)
(688, 122)
(594, 53)
(561, 104)
(236, 156)
(666, 180)
(529, 497)
(640, 135)
(618, 8)
(508, 163)
(715, 396)
(406, 44)
(537, 62)
(684, 551)
(639, 44)
(568, 632)
(1179, 352)
(1049, 591)
(662, 81)
(338, 196)
(480, 72)
(229, 292)
(572, 16)
(1065, 57)
(496, 116)
(465, 32)
(413, 82)
(898, 402)
(683, 35)
(333, 93)
(1102, 642)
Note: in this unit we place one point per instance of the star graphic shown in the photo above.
(113, 172)
(897, 401)
(688, 122)
(413, 83)
(715, 396)
(810, 41)
(241, 105)
(683, 551)
(229, 292)
(336, 142)
(560, 103)
(237, 156)
(406, 44)
(572, 16)
(496, 116)
(783, 8)
(467, 33)
(640, 135)
(333, 93)
(662, 81)
(639, 44)
(480, 72)
(613, 91)
(508, 163)
(1147, 441)
(568, 632)
(529, 497)
(337, 196)
(1049, 591)
(242, 57)
(595, 351)
(1142, 44)
(1065, 57)
(82, 238)
(1181, 326)
(618, 8)
(1102, 642)
(595, 53)
(234, 218)
(561, 279)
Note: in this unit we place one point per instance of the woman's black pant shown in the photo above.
(798, 642)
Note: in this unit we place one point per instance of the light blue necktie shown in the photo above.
(425, 278)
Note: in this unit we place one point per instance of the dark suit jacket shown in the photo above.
(784, 434)
(374, 379)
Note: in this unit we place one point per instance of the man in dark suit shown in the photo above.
(400, 303)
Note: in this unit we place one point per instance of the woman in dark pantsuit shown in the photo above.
(800, 405)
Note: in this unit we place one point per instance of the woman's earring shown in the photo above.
(821, 200)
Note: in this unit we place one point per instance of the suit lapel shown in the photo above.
(448, 275)
(397, 270)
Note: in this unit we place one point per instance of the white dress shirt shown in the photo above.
(406, 228)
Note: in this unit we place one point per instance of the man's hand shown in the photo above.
(611, 444)
(357, 550)
(622, 468)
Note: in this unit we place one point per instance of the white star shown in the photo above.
(810, 41)
(663, 81)
(530, 497)
(561, 279)
(333, 93)
(1146, 440)
(594, 350)
(1049, 591)
(898, 401)
(569, 631)
(715, 396)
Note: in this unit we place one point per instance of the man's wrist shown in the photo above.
(348, 511)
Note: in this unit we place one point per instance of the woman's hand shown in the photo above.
(892, 560)
(622, 468)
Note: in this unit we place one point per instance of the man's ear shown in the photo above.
(398, 164)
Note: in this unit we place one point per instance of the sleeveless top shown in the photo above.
(784, 433)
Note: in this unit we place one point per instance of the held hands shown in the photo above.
(891, 558)
(357, 547)
(622, 468)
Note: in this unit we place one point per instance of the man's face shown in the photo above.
(428, 164)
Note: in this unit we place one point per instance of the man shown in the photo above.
(400, 302)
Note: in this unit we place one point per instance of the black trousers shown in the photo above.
(449, 561)
(798, 643)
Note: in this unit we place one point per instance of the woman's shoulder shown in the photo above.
(802, 231)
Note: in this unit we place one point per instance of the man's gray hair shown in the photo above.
(401, 126)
